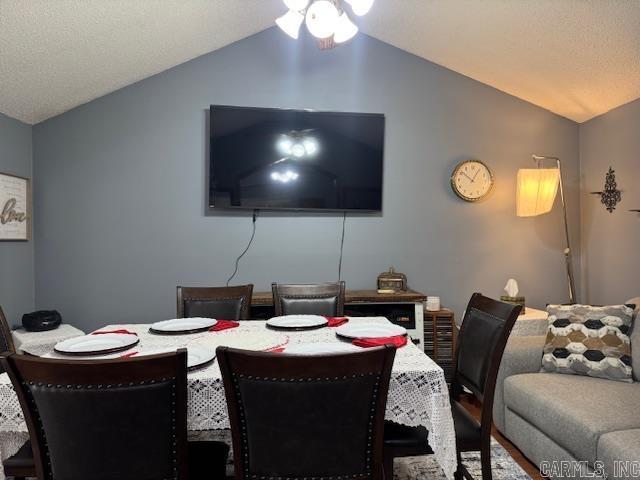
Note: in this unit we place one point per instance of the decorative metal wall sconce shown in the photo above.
(610, 196)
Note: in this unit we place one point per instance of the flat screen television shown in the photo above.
(273, 159)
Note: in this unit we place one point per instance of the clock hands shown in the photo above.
(474, 177)
(465, 174)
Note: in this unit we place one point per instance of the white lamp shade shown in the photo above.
(290, 23)
(536, 191)
(322, 17)
(296, 4)
(361, 7)
(345, 29)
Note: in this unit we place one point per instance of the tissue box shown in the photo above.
(514, 301)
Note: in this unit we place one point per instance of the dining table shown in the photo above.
(418, 393)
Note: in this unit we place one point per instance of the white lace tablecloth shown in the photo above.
(418, 393)
(41, 343)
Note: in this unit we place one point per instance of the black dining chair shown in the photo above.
(226, 303)
(306, 416)
(483, 336)
(107, 419)
(312, 299)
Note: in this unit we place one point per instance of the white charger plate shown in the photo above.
(96, 344)
(182, 326)
(297, 322)
(370, 330)
(322, 348)
(198, 357)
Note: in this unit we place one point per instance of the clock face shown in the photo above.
(472, 180)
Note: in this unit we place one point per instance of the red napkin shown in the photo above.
(398, 341)
(276, 350)
(128, 355)
(122, 331)
(336, 321)
(224, 325)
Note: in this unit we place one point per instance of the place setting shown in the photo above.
(121, 345)
(99, 343)
(187, 326)
(304, 322)
(367, 335)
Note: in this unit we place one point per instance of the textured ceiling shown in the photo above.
(58, 54)
(578, 58)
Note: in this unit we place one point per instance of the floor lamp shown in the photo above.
(536, 193)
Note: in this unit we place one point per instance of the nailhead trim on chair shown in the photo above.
(243, 426)
(49, 471)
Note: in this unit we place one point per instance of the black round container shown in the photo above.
(41, 321)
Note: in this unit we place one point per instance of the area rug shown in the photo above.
(504, 467)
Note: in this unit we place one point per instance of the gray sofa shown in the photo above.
(554, 418)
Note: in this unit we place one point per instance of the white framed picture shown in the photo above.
(15, 208)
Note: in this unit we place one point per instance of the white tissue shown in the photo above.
(511, 288)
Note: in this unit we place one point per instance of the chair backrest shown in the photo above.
(226, 303)
(307, 416)
(483, 336)
(107, 419)
(319, 299)
(6, 339)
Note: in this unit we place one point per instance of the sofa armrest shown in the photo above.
(521, 355)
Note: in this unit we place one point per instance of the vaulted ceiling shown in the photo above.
(577, 58)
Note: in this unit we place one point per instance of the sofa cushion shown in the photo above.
(617, 450)
(573, 410)
(586, 340)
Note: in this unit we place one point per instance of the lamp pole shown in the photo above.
(567, 250)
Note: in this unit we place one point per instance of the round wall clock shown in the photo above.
(471, 180)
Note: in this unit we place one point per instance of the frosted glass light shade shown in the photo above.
(536, 191)
(296, 4)
(322, 17)
(345, 29)
(361, 7)
(290, 23)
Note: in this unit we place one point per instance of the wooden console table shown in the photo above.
(403, 308)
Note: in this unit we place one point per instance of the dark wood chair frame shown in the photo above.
(308, 291)
(5, 331)
(273, 366)
(22, 472)
(510, 314)
(243, 292)
(109, 372)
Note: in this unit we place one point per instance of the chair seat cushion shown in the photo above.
(574, 411)
(413, 440)
(22, 459)
(467, 428)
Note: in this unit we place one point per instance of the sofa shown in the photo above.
(571, 426)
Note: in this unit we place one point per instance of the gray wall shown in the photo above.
(611, 261)
(16, 258)
(121, 218)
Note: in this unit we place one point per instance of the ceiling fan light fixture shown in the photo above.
(360, 7)
(321, 19)
(345, 29)
(296, 5)
(290, 23)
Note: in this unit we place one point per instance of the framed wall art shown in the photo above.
(15, 208)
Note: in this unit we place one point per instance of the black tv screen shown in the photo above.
(263, 158)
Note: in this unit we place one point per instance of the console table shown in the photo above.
(404, 308)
